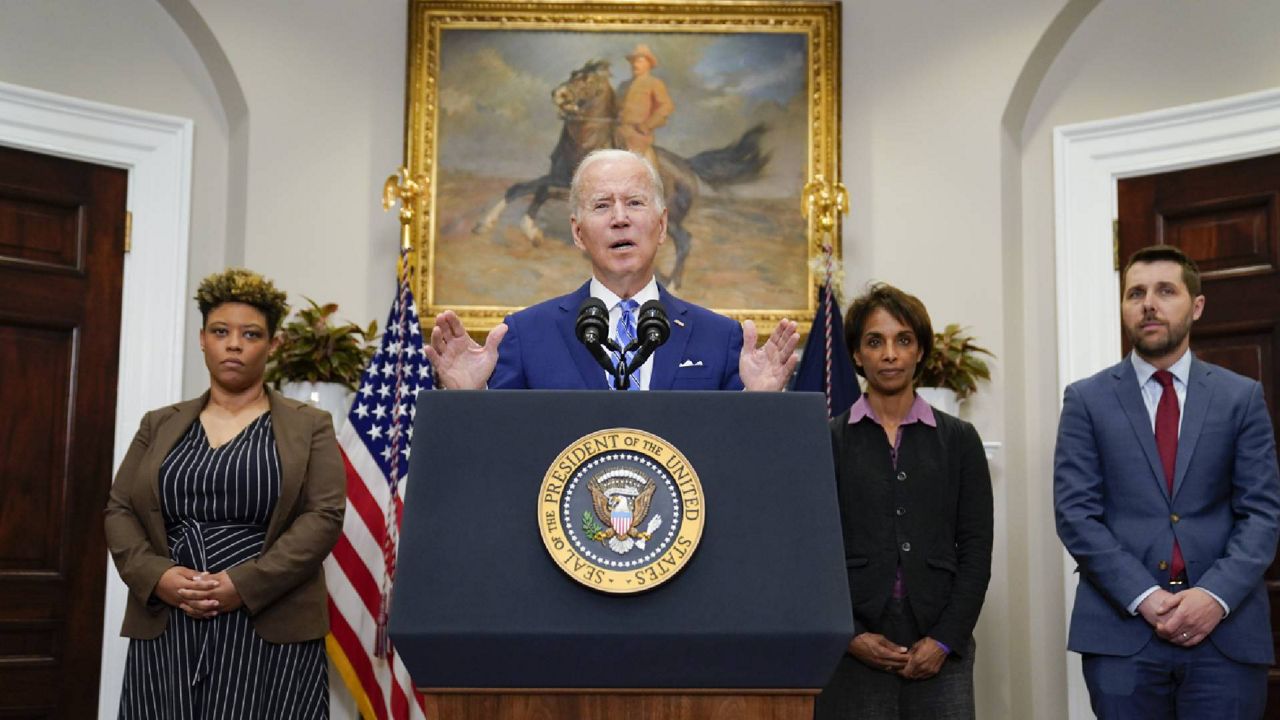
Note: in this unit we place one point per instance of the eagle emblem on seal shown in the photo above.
(620, 499)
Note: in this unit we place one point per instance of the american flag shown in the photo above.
(375, 444)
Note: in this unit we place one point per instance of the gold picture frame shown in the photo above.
(487, 106)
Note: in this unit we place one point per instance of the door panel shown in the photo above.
(45, 231)
(61, 274)
(1227, 237)
(37, 362)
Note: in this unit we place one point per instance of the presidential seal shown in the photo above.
(621, 510)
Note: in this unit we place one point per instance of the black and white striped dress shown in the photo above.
(216, 504)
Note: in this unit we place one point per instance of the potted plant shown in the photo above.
(953, 369)
(319, 361)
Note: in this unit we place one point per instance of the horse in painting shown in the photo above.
(587, 105)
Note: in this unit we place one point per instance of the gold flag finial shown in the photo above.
(408, 189)
(822, 203)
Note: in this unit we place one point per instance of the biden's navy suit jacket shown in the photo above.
(1118, 520)
(541, 351)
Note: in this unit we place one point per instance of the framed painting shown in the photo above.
(737, 102)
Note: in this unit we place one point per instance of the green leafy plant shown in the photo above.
(954, 362)
(314, 349)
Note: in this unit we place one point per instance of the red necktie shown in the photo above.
(1167, 443)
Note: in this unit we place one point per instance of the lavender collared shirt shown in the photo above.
(920, 412)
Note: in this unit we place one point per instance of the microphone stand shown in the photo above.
(642, 352)
(621, 377)
(622, 374)
(600, 351)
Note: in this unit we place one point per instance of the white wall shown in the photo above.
(131, 53)
(324, 82)
(948, 111)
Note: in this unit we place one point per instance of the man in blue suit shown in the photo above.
(619, 221)
(1167, 495)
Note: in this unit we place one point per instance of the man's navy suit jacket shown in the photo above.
(1117, 519)
(540, 350)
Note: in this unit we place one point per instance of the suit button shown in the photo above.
(1163, 565)
(902, 475)
(906, 547)
(900, 511)
(1174, 517)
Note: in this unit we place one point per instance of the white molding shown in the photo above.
(1088, 159)
(157, 151)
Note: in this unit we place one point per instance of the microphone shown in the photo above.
(592, 329)
(652, 327)
(652, 330)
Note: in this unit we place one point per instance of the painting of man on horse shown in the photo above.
(725, 199)
(587, 104)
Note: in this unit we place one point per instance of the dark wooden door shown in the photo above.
(1227, 218)
(62, 227)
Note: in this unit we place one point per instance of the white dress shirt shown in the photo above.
(1151, 392)
(614, 303)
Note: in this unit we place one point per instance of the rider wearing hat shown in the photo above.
(645, 104)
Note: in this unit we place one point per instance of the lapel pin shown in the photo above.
(678, 322)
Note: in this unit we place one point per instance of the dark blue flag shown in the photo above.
(830, 373)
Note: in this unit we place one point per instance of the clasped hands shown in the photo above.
(921, 661)
(1185, 618)
(198, 594)
(461, 363)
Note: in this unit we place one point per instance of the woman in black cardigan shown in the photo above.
(915, 504)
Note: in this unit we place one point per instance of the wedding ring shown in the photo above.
(1185, 636)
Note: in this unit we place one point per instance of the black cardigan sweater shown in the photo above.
(932, 514)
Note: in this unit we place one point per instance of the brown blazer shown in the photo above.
(283, 588)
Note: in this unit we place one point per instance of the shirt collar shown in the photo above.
(920, 411)
(611, 299)
(1180, 369)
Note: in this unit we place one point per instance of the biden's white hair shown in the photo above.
(575, 186)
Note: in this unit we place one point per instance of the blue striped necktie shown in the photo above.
(626, 333)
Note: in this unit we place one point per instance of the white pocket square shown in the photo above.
(691, 363)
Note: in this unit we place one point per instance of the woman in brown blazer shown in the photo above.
(219, 519)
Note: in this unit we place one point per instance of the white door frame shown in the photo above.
(157, 151)
(1088, 159)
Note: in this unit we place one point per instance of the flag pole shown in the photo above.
(407, 190)
(822, 203)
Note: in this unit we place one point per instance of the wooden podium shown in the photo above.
(629, 703)
(489, 626)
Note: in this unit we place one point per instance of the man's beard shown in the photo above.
(1155, 348)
